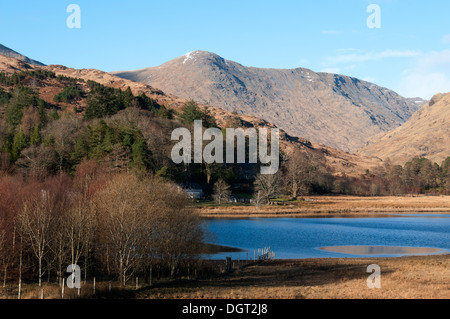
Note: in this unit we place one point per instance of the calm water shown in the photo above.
(303, 237)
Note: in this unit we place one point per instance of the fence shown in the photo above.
(259, 255)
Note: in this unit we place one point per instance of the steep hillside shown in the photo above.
(13, 54)
(341, 161)
(426, 134)
(335, 110)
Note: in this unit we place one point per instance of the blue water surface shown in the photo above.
(296, 238)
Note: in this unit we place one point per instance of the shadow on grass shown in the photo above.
(265, 275)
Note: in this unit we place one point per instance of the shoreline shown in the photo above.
(335, 206)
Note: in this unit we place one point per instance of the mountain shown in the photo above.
(13, 54)
(340, 161)
(336, 110)
(426, 134)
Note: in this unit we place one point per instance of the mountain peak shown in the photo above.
(194, 56)
(436, 98)
(13, 54)
(331, 109)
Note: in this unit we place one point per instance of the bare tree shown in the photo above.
(3, 253)
(73, 231)
(222, 191)
(143, 222)
(35, 225)
(63, 134)
(302, 170)
(178, 232)
(123, 206)
(268, 185)
(9, 200)
(258, 199)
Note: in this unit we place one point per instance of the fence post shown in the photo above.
(151, 273)
(20, 287)
(228, 264)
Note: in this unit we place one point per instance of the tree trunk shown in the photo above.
(40, 272)
(4, 276)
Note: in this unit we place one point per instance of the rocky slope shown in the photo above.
(340, 161)
(335, 110)
(426, 134)
(13, 54)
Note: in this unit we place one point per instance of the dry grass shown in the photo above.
(52, 290)
(401, 278)
(424, 277)
(337, 206)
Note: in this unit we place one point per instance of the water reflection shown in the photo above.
(338, 237)
(381, 250)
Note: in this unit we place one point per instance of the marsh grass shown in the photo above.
(315, 206)
(415, 277)
(401, 278)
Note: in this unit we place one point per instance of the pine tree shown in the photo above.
(19, 143)
(127, 97)
(140, 154)
(35, 137)
(43, 119)
(108, 142)
(192, 112)
(81, 150)
(163, 112)
(14, 114)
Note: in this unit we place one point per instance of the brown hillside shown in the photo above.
(341, 161)
(13, 54)
(426, 134)
(332, 109)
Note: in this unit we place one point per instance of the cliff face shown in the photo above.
(335, 110)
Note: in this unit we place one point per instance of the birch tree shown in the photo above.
(35, 224)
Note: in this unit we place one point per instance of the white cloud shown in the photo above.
(428, 72)
(446, 39)
(369, 56)
(429, 75)
(369, 79)
(331, 70)
(339, 70)
(304, 62)
(331, 32)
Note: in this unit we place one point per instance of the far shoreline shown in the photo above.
(333, 206)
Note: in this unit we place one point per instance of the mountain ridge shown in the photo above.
(342, 162)
(13, 54)
(336, 110)
(425, 134)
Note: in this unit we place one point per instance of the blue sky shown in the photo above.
(410, 53)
